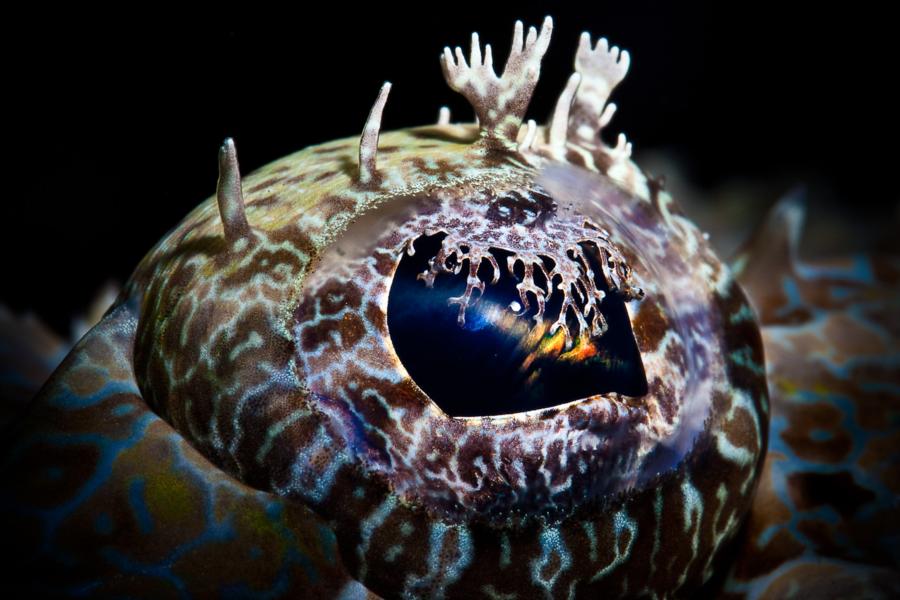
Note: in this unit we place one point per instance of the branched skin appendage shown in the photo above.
(499, 102)
(242, 421)
(562, 264)
(450, 259)
(601, 68)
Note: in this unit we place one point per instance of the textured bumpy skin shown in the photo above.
(239, 423)
(826, 518)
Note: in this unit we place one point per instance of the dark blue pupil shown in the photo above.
(495, 364)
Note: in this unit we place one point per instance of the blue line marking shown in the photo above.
(139, 506)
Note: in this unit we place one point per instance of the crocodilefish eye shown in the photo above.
(494, 358)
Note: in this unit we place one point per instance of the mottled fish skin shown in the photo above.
(239, 423)
(825, 521)
(106, 499)
(30, 351)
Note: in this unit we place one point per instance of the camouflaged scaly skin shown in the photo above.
(108, 500)
(240, 424)
(825, 519)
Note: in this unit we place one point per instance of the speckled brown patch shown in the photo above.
(263, 185)
(264, 201)
(650, 325)
(324, 175)
(345, 332)
(331, 149)
(803, 419)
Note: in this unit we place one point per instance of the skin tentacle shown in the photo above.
(602, 69)
(229, 195)
(368, 143)
(499, 102)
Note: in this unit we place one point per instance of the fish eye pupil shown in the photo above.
(502, 360)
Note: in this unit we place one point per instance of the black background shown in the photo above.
(112, 124)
